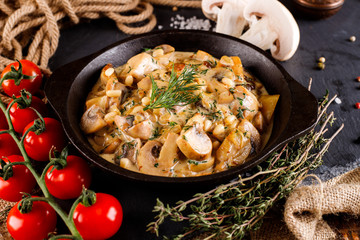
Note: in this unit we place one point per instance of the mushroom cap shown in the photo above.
(279, 22)
(211, 8)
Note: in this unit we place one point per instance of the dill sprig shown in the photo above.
(178, 93)
(232, 210)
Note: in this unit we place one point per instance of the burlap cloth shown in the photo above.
(304, 208)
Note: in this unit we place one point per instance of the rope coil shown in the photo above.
(35, 25)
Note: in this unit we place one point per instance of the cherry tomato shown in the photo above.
(22, 180)
(39, 146)
(3, 121)
(34, 225)
(11, 87)
(7, 145)
(67, 183)
(20, 118)
(100, 220)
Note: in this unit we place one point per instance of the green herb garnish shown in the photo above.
(178, 93)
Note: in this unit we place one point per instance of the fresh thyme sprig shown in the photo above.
(178, 93)
(230, 211)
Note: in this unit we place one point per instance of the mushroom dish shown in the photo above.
(178, 114)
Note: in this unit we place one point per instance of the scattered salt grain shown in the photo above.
(180, 22)
(160, 27)
(338, 100)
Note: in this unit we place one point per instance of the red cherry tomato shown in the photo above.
(34, 225)
(20, 118)
(22, 180)
(67, 183)
(7, 145)
(3, 121)
(31, 85)
(101, 220)
(39, 146)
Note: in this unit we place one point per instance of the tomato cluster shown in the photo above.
(65, 177)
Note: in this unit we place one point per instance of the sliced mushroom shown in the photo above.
(199, 166)
(245, 104)
(248, 129)
(166, 47)
(259, 122)
(141, 130)
(102, 102)
(128, 150)
(169, 151)
(233, 151)
(194, 143)
(124, 122)
(147, 160)
(228, 14)
(111, 148)
(92, 120)
(140, 65)
(273, 27)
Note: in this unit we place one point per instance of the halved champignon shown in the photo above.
(194, 143)
(157, 159)
(273, 27)
(92, 120)
(227, 13)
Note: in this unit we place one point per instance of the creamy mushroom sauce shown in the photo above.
(230, 121)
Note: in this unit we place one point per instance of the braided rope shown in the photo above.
(35, 24)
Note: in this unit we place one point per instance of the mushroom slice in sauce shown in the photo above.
(148, 157)
(92, 120)
(140, 65)
(199, 166)
(169, 151)
(128, 150)
(250, 131)
(194, 143)
(245, 104)
(235, 148)
(141, 130)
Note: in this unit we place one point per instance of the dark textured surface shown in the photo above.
(326, 37)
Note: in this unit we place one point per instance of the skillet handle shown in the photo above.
(304, 115)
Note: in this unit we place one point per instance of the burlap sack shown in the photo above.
(304, 208)
(4, 208)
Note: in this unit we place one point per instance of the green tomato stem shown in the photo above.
(39, 179)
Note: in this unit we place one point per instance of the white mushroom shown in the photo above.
(127, 150)
(141, 130)
(194, 143)
(92, 120)
(157, 159)
(273, 27)
(227, 13)
(140, 65)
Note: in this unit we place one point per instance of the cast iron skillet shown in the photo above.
(68, 87)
